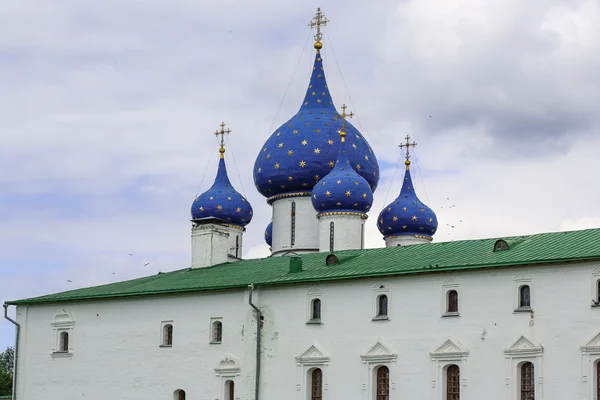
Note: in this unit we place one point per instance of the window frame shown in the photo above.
(227, 370)
(311, 386)
(590, 358)
(164, 333)
(520, 367)
(211, 327)
(63, 322)
(379, 355)
(177, 394)
(451, 352)
(522, 351)
(448, 286)
(381, 289)
(595, 292)
(518, 283)
(312, 358)
(216, 332)
(314, 293)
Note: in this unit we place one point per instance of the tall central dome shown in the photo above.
(304, 149)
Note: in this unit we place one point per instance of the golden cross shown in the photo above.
(344, 115)
(222, 132)
(317, 21)
(407, 145)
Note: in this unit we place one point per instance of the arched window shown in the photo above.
(179, 395)
(168, 335)
(527, 382)
(382, 388)
(524, 296)
(316, 309)
(452, 301)
(64, 342)
(217, 332)
(316, 383)
(598, 296)
(382, 306)
(229, 390)
(453, 382)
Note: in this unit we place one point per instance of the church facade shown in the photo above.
(323, 318)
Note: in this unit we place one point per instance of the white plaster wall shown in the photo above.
(404, 240)
(348, 232)
(213, 244)
(117, 353)
(307, 226)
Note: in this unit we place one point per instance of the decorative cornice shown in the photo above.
(290, 194)
(355, 213)
(426, 237)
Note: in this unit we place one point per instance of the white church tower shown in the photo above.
(407, 220)
(219, 217)
(342, 199)
(299, 154)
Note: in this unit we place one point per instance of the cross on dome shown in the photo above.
(407, 146)
(317, 21)
(222, 132)
(344, 115)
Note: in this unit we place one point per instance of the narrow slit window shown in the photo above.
(453, 382)
(452, 300)
(64, 342)
(527, 382)
(217, 334)
(316, 310)
(382, 306)
(316, 392)
(168, 335)
(237, 246)
(382, 386)
(331, 235)
(293, 238)
(524, 296)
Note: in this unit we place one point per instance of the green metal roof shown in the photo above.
(543, 248)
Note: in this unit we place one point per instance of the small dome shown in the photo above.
(269, 234)
(342, 189)
(304, 149)
(407, 215)
(222, 202)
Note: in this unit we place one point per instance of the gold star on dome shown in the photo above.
(283, 186)
(355, 204)
(353, 145)
(318, 100)
(319, 59)
(303, 164)
(318, 76)
(403, 226)
(295, 131)
(317, 177)
(348, 193)
(430, 220)
(304, 142)
(290, 178)
(422, 210)
(358, 167)
(315, 196)
(322, 93)
(250, 212)
(238, 210)
(270, 181)
(201, 208)
(265, 149)
(313, 93)
(278, 133)
(290, 152)
(306, 103)
(307, 124)
(331, 164)
(414, 218)
(404, 208)
(389, 209)
(338, 182)
(394, 218)
(330, 141)
(229, 198)
(280, 145)
(364, 195)
(276, 165)
(323, 183)
(304, 184)
(367, 158)
(219, 207)
(317, 151)
(210, 198)
(328, 193)
(338, 203)
(268, 156)
(259, 170)
(317, 131)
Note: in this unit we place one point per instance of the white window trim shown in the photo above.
(590, 356)
(162, 333)
(210, 330)
(314, 293)
(449, 353)
(521, 351)
(446, 287)
(378, 355)
(594, 291)
(312, 358)
(520, 280)
(62, 322)
(228, 370)
(378, 290)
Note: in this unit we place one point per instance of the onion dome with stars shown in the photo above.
(269, 234)
(342, 190)
(304, 149)
(222, 202)
(407, 215)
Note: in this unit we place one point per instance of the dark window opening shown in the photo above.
(316, 392)
(598, 296)
(237, 246)
(500, 245)
(527, 382)
(383, 383)
(382, 306)
(217, 334)
(229, 390)
(316, 310)
(293, 239)
(598, 380)
(452, 306)
(453, 383)
(331, 236)
(180, 394)
(524, 296)
(64, 342)
(168, 335)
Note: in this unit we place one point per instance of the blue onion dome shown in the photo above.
(342, 190)
(222, 202)
(303, 150)
(269, 233)
(407, 215)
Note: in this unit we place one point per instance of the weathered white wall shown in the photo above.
(404, 240)
(214, 244)
(307, 226)
(116, 351)
(348, 232)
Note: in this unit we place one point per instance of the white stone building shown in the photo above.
(323, 318)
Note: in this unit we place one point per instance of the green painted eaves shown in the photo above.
(544, 248)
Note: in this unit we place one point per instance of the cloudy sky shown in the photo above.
(107, 111)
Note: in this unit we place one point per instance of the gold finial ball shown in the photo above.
(407, 163)
(318, 45)
(343, 133)
(222, 150)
